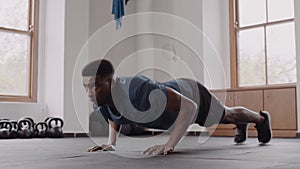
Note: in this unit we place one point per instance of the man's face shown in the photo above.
(97, 89)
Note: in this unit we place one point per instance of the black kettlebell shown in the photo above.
(47, 119)
(25, 128)
(32, 125)
(31, 120)
(55, 127)
(41, 129)
(14, 130)
(5, 129)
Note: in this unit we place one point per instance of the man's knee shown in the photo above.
(229, 116)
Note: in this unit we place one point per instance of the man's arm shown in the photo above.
(187, 111)
(114, 129)
(112, 138)
(186, 114)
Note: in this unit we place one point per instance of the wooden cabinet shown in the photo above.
(252, 100)
(225, 97)
(282, 106)
(280, 102)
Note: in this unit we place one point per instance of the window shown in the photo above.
(18, 50)
(263, 39)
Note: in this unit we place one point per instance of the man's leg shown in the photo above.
(242, 116)
(237, 115)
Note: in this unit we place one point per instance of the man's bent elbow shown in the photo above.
(190, 109)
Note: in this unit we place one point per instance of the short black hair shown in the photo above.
(100, 67)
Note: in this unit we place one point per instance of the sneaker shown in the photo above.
(241, 133)
(264, 131)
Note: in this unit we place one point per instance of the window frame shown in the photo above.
(234, 29)
(33, 22)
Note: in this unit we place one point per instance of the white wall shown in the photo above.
(216, 44)
(15, 111)
(104, 37)
(53, 43)
(180, 40)
(297, 13)
(144, 59)
(76, 35)
(211, 17)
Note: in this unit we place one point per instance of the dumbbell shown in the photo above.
(41, 129)
(5, 129)
(55, 127)
(25, 128)
(14, 129)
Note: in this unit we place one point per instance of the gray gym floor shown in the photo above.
(216, 153)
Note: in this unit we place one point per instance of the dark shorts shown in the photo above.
(210, 110)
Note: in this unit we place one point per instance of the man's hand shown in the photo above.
(159, 150)
(103, 147)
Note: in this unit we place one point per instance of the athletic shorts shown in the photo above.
(210, 110)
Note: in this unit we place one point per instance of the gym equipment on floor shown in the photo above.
(5, 129)
(25, 128)
(40, 130)
(55, 127)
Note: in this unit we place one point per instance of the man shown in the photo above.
(171, 105)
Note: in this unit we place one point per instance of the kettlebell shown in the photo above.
(47, 119)
(31, 120)
(14, 130)
(40, 129)
(5, 129)
(25, 128)
(55, 127)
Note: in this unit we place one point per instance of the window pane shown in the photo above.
(280, 10)
(251, 57)
(252, 12)
(14, 14)
(281, 52)
(14, 64)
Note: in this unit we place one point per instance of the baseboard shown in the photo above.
(76, 135)
(253, 133)
(152, 132)
(189, 133)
